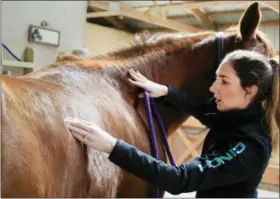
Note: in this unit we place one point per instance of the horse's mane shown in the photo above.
(143, 44)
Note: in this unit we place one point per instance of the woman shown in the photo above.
(243, 131)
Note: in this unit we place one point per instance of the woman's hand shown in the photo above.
(155, 90)
(91, 135)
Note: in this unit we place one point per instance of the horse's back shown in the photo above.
(39, 156)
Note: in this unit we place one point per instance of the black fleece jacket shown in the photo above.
(235, 153)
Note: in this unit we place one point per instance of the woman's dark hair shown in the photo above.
(253, 68)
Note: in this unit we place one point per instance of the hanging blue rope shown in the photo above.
(10, 52)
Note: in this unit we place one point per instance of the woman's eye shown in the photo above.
(224, 82)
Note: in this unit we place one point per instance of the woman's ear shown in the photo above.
(251, 91)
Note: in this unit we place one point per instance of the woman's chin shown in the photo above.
(221, 108)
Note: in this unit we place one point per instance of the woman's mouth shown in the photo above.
(217, 101)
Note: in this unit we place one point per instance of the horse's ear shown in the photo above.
(249, 21)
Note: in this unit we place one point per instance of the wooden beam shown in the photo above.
(271, 175)
(19, 64)
(224, 26)
(130, 12)
(102, 14)
(160, 13)
(167, 7)
(203, 19)
(118, 23)
(112, 19)
(155, 3)
(193, 122)
(273, 5)
(200, 4)
(213, 13)
(232, 12)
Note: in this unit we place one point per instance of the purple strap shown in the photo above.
(151, 106)
(152, 136)
(162, 132)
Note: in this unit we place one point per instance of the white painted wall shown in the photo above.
(100, 39)
(69, 17)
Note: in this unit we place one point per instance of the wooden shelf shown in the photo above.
(19, 64)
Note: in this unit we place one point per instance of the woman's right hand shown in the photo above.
(155, 90)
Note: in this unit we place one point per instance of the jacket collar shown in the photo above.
(252, 114)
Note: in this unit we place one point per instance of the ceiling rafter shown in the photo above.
(204, 20)
(113, 9)
(220, 27)
(213, 13)
(224, 26)
(127, 11)
(273, 5)
(110, 18)
(200, 4)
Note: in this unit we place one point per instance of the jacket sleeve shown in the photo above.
(177, 99)
(181, 101)
(240, 161)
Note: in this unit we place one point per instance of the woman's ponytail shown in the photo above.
(272, 105)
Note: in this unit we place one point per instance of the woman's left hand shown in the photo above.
(91, 135)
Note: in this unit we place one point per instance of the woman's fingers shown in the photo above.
(142, 76)
(84, 138)
(90, 124)
(137, 83)
(78, 124)
(78, 133)
(136, 76)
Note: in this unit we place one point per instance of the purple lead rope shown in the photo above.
(151, 106)
(162, 132)
(152, 136)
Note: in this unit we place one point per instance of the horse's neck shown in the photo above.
(181, 69)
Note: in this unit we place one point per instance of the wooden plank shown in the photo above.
(189, 151)
(114, 20)
(102, 14)
(213, 13)
(20, 64)
(130, 12)
(118, 23)
(273, 5)
(225, 26)
(167, 7)
(222, 26)
(232, 12)
(192, 122)
(203, 18)
(188, 144)
(200, 4)
(271, 175)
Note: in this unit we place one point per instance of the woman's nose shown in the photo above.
(212, 88)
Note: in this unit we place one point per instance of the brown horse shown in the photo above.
(39, 156)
